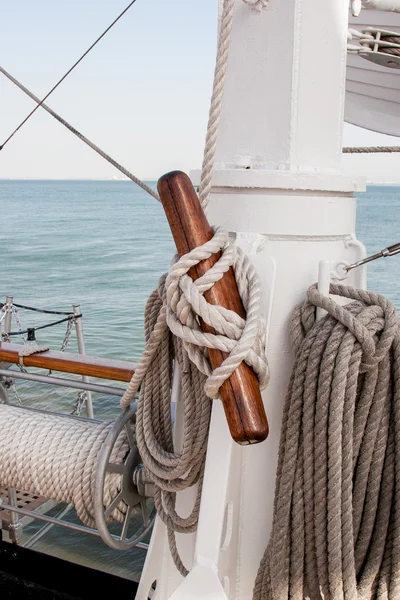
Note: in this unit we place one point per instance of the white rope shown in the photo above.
(216, 101)
(214, 118)
(56, 457)
(243, 340)
(184, 303)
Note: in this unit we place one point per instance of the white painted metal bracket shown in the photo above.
(335, 272)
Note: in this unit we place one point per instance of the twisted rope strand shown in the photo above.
(336, 527)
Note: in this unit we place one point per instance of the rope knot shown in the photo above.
(336, 525)
(241, 339)
(370, 318)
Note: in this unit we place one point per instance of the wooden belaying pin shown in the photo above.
(240, 394)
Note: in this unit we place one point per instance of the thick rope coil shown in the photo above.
(171, 469)
(336, 526)
(172, 331)
(56, 457)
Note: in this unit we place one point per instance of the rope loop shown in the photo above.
(242, 340)
(374, 326)
(336, 526)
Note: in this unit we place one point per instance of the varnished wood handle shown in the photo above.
(80, 364)
(240, 394)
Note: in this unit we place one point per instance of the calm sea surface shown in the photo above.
(103, 245)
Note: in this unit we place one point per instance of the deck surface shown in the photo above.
(31, 575)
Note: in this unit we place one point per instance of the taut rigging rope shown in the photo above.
(336, 527)
(370, 149)
(67, 73)
(83, 138)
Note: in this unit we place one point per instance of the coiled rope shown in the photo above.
(336, 526)
(56, 457)
(172, 330)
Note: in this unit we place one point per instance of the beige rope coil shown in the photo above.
(172, 469)
(336, 526)
(56, 457)
(172, 331)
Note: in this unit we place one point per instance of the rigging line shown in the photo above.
(370, 149)
(67, 73)
(40, 310)
(84, 139)
(71, 318)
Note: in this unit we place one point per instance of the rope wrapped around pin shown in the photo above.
(242, 339)
(206, 310)
(184, 303)
(181, 323)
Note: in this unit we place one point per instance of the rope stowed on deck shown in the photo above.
(171, 322)
(336, 527)
(56, 457)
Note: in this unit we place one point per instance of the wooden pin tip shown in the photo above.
(173, 177)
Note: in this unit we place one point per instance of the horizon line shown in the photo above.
(146, 180)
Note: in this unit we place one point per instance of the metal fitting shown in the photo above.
(143, 483)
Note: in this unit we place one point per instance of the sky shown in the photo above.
(142, 94)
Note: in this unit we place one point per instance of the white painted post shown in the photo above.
(278, 187)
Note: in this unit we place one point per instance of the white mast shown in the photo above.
(279, 188)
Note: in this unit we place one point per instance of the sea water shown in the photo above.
(103, 245)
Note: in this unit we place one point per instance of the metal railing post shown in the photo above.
(81, 350)
(15, 527)
(8, 317)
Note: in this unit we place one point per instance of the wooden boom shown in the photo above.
(79, 364)
(240, 394)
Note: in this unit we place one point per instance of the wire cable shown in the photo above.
(67, 73)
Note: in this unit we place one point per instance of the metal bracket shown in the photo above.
(379, 46)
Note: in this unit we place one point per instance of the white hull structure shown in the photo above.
(278, 188)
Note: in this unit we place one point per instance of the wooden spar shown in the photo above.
(78, 364)
(240, 394)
